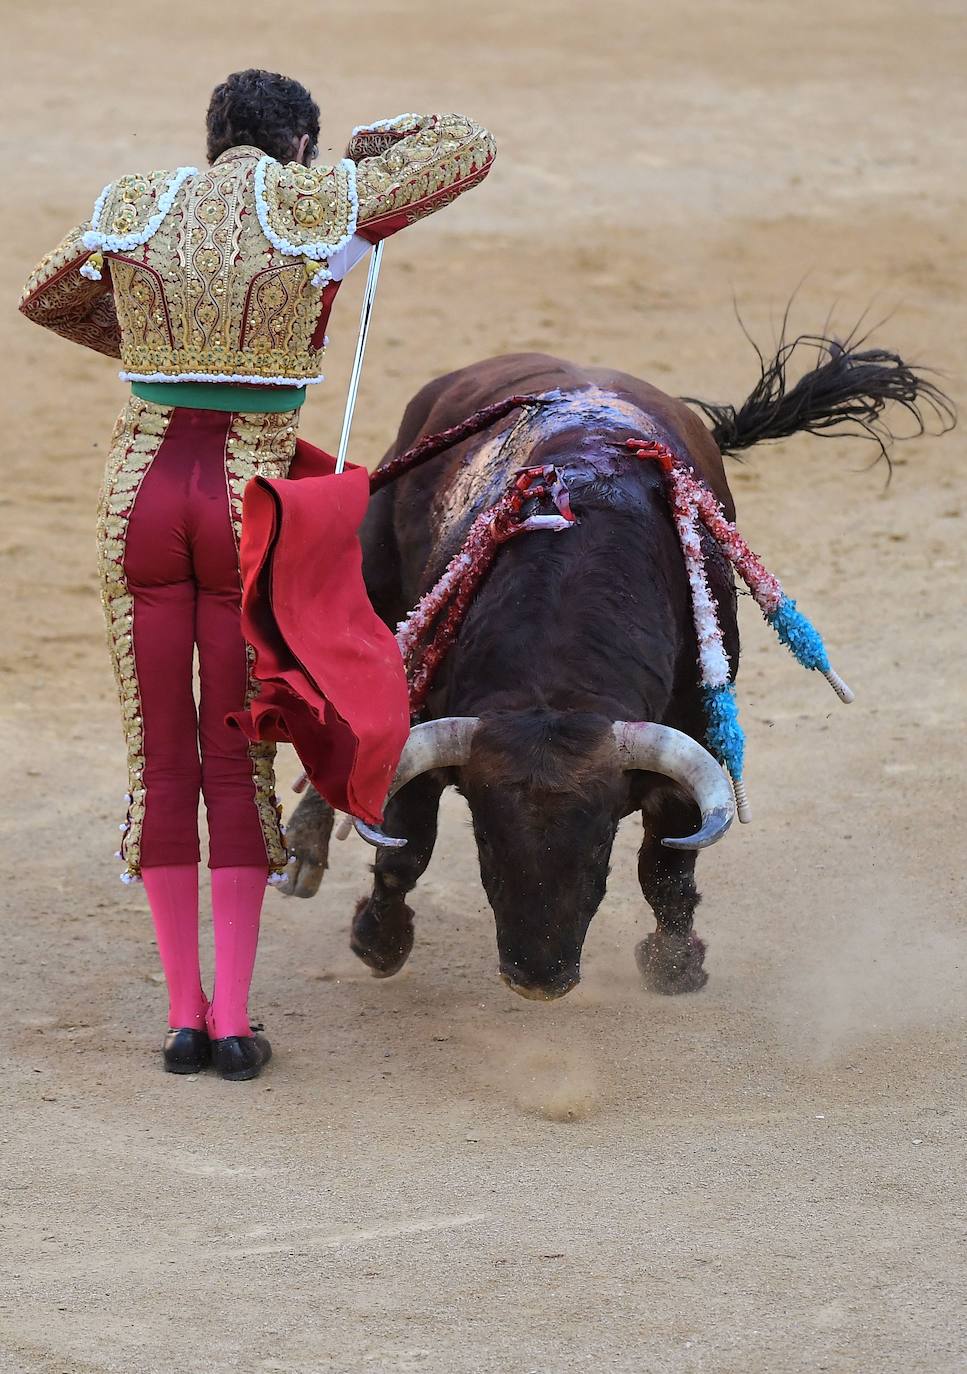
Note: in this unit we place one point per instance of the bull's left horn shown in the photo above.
(441, 743)
(659, 749)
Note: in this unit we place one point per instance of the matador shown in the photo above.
(214, 288)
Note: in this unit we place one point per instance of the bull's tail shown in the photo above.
(847, 390)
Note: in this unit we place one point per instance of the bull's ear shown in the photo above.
(660, 749)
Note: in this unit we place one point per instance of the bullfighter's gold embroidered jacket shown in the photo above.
(225, 275)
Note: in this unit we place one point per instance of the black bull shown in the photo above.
(569, 633)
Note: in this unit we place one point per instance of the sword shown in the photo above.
(365, 317)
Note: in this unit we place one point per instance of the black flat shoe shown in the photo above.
(186, 1050)
(237, 1057)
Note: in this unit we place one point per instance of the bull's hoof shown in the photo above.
(307, 840)
(301, 878)
(382, 936)
(670, 965)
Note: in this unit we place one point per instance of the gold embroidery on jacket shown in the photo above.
(309, 205)
(208, 294)
(237, 307)
(137, 437)
(67, 303)
(281, 316)
(139, 296)
(264, 446)
(423, 170)
(132, 201)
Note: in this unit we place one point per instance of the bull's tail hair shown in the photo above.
(847, 391)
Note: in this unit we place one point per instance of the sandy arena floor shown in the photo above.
(435, 1176)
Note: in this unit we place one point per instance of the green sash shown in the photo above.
(252, 400)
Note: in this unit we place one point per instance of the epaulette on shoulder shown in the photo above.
(128, 211)
(306, 212)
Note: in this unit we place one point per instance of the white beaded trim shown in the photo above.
(385, 125)
(318, 252)
(218, 377)
(120, 243)
(711, 650)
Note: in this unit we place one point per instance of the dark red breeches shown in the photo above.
(181, 565)
(180, 569)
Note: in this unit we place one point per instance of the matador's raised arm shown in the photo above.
(410, 166)
(58, 297)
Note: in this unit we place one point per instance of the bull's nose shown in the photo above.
(539, 989)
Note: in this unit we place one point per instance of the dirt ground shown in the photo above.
(434, 1175)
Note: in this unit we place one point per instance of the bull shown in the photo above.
(575, 646)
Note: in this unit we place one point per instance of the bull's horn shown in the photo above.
(659, 749)
(436, 744)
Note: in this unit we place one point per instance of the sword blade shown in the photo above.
(365, 317)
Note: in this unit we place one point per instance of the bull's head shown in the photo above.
(546, 792)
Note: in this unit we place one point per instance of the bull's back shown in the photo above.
(416, 522)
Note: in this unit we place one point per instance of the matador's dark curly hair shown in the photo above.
(265, 110)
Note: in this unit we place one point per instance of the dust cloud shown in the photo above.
(874, 972)
(557, 1086)
(537, 1076)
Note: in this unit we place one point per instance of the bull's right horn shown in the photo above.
(441, 743)
(660, 749)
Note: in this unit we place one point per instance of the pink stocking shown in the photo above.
(173, 897)
(237, 895)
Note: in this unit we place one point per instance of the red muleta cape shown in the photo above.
(333, 683)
